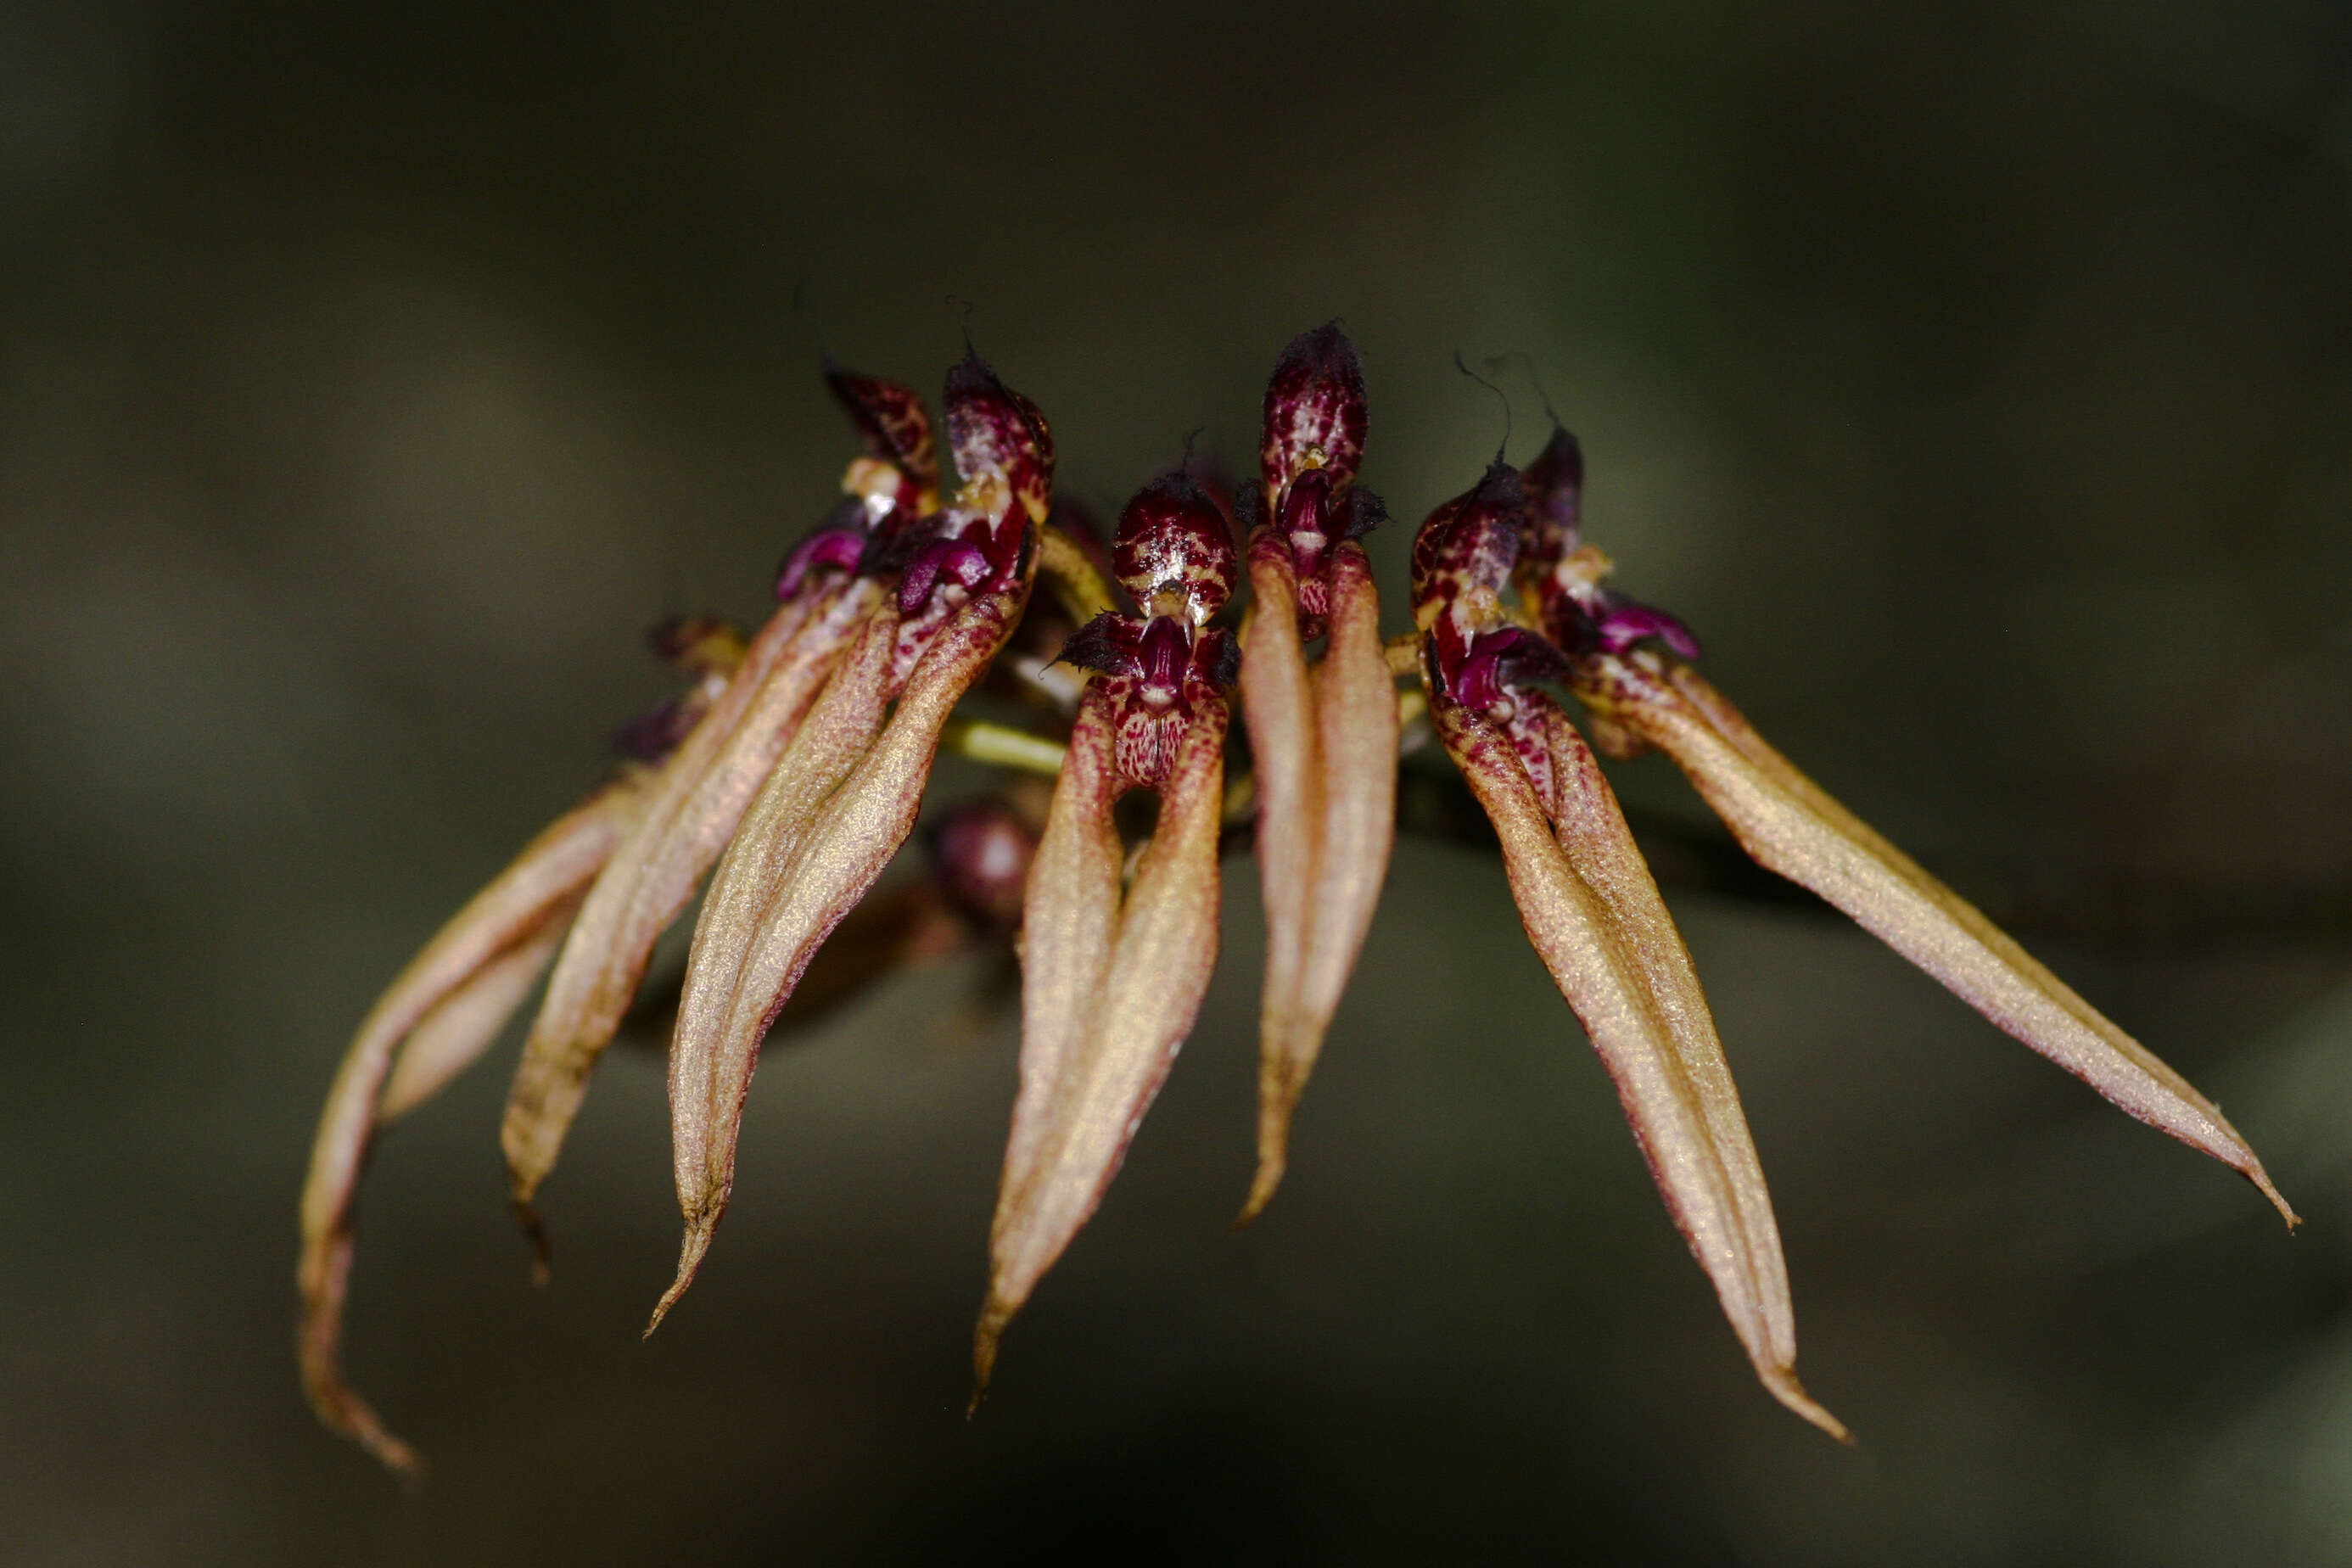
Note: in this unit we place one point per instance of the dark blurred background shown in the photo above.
(1978, 380)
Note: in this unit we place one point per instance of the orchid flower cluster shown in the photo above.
(792, 769)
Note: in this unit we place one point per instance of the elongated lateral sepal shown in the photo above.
(1593, 914)
(1324, 744)
(841, 802)
(447, 1004)
(1791, 825)
(697, 800)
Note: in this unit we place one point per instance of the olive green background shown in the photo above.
(1975, 379)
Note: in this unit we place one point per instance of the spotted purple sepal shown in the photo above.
(999, 436)
(896, 426)
(1174, 551)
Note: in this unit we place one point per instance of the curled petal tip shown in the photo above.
(1263, 1186)
(1783, 1385)
(690, 1264)
(534, 1230)
(2261, 1178)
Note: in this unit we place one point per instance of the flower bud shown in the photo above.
(980, 852)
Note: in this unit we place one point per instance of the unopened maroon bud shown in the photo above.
(1314, 412)
(1174, 552)
(896, 426)
(998, 435)
(980, 852)
(1555, 488)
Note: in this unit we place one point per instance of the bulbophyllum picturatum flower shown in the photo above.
(829, 589)
(845, 793)
(1630, 665)
(455, 996)
(1112, 980)
(1323, 737)
(1592, 910)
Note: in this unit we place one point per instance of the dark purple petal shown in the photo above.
(833, 546)
(1106, 642)
(953, 559)
(1627, 623)
(1502, 659)
(891, 419)
(1167, 651)
(1555, 488)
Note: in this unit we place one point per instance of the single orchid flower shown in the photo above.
(1111, 981)
(455, 996)
(1644, 696)
(1592, 910)
(845, 793)
(827, 595)
(1323, 739)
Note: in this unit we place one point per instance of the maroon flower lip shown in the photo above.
(793, 766)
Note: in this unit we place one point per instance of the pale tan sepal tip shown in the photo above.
(534, 1231)
(2261, 1178)
(1782, 1383)
(994, 1316)
(1271, 1165)
(690, 1263)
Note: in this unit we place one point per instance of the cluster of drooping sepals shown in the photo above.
(1644, 696)
(1592, 912)
(1312, 445)
(803, 756)
(846, 791)
(828, 589)
(452, 999)
(1112, 978)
